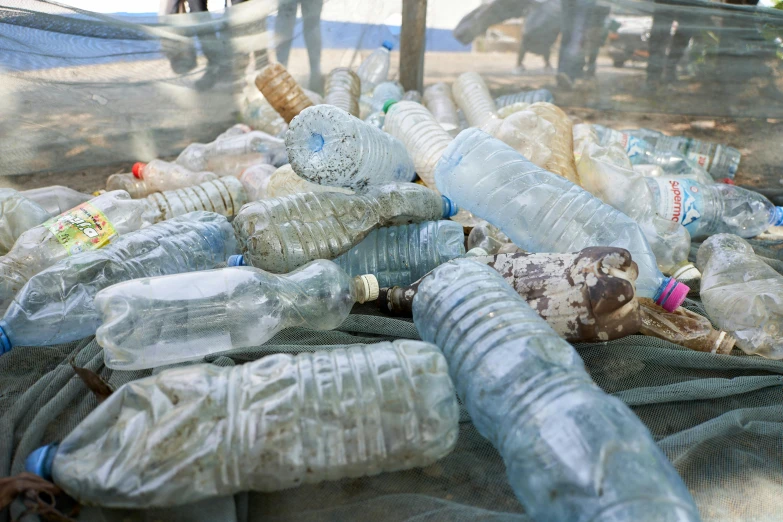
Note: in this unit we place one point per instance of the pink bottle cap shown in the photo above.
(137, 168)
(673, 295)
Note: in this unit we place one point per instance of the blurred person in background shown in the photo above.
(581, 24)
(311, 26)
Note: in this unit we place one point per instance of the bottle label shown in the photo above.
(82, 228)
(633, 146)
(680, 200)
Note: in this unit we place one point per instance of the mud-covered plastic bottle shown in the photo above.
(572, 452)
(472, 96)
(342, 89)
(156, 176)
(224, 196)
(281, 234)
(56, 305)
(437, 98)
(347, 412)
(537, 95)
(543, 212)
(683, 327)
(375, 68)
(328, 146)
(263, 181)
(282, 91)
(230, 156)
(491, 240)
(151, 322)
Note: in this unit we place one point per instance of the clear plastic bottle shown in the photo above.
(316, 98)
(282, 234)
(56, 199)
(235, 130)
(412, 95)
(561, 143)
(342, 89)
(328, 146)
(56, 305)
(267, 425)
(423, 137)
(531, 135)
(543, 212)
(282, 92)
(437, 98)
(258, 113)
(375, 68)
(742, 294)
(156, 176)
(224, 196)
(400, 255)
(230, 156)
(151, 322)
(683, 327)
(490, 239)
(383, 93)
(263, 181)
(572, 452)
(537, 95)
(472, 96)
(18, 214)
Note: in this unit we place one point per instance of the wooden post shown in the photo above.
(412, 43)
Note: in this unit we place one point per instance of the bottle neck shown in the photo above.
(776, 216)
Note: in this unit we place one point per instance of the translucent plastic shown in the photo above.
(683, 327)
(491, 240)
(281, 234)
(230, 156)
(383, 93)
(56, 305)
(424, 138)
(572, 452)
(17, 215)
(235, 130)
(742, 294)
(282, 92)
(472, 96)
(437, 98)
(264, 181)
(400, 255)
(543, 212)
(526, 132)
(316, 98)
(156, 176)
(375, 68)
(258, 113)
(56, 199)
(342, 89)
(412, 95)
(330, 147)
(537, 95)
(561, 143)
(150, 322)
(224, 196)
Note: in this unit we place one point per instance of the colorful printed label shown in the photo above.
(82, 228)
(634, 147)
(680, 200)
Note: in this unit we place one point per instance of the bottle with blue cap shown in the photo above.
(375, 68)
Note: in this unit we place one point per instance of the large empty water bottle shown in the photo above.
(472, 96)
(56, 305)
(56, 199)
(328, 146)
(230, 156)
(156, 176)
(281, 234)
(264, 181)
(342, 89)
(572, 452)
(18, 214)
(375, 68)
(150, 322)
(282, 91)
(191, 433)
(543, 212)
(537, 95)
(437, 98)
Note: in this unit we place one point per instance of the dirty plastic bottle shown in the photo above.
(683, 327)
(150, 322)
(572, 452)
(235, 130)
(224, 196)
(423, 137)
(282, 234)
(375, 68)
(263, 181)
(256, 111)
(490, 239)
(56, 199)
(412, 95)
(282, 91)
(383, 93)
(437, 98)
(532, 136)
(230, 156)
(56, 305)
(342, 89)
(537, 95)
(400, 255)
(347, 412)
(328, 146)
(543, 212)
(18, 214)
(561, 143)
(741, 294)
(156, 176)
(472, 96)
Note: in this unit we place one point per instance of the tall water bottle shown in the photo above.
(263, 181)
(342, 89)
(437, 98)
(328, 146)
(537, 95)
(542, 212)
(282, 91)
(230, 156)
(156, 176)
(472, 96)
(56, 305)
(55, 199)
(400, 255)
(267, 425)
(571, 451)
(18, 214)
(282, 234)
(150, 322)
(375, 68)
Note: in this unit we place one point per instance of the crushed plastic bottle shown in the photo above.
(348, 412)
(263, 181)
(282, 92)
(55, 199)
(537, 95)
(18, 214)
(683, 327)
(235, 130)
(572, 452)
(282, 234)
(541, 211)
(437, 98)
(328, 146)
(561, 143)
(472, 96)
(527, 133)
(151, 322)
(342, 89)
(156, 176)
(742, 294)
(375, 68)
(412, 95)
(490, 239)
(56, 305)
(230, 156)
(224, 196)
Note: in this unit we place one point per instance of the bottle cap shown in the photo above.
(388, 104)
(449, 208)
(671, 294)
(727, 181)
(40, 461)
(137, 168)
(388, 44)
(5, 342)
(236, 260)
(368, 288)
(777, 217)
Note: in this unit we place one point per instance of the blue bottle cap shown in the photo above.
(40, 461)
(388, 44)
(236, 260)
(449, 207)
(5, 342)
(777, 217)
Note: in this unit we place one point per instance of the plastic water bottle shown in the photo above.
(224, 196)
(683, 327)
(537, 95)
(541, 211)
(151, 322)
(424, 138)
(56, 305)
(316, 98)
(472, 96)
(263, 181)
(571, 451)
(156, 176)
(281, 91)
(328, 146)
(256, 111)
(267, 425)
(412, 95)
(400, 255)
(383, 93)
(18, 214)
(342, 89)
(375, 68)
(282, 234)
(437, 98)
(530, 135)
(235, 130)
(55, 199)
(741, 294)
(490, 239)
(561, 143)
(230, 156)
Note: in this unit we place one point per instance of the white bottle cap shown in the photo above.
(368, 288)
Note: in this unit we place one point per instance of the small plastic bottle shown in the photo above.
(18, 214)
(328, 146)
(342, 89)
(561, 143)
(412, 95)
(437, 98)
(683, 327)
(56, 305)
(156, 176)
(383, 93)
(537, 95)
(151, 322)
(572, 452)
(472, 96)
(230, 156)
(282, 234)
(281, 91)
(375, 68)
(263, 181)
(56, 199)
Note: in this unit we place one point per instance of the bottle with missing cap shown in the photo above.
(155, 321)
(683, 327)
(156, 176)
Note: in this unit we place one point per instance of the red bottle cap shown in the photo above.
(727, 181)
(137, 168)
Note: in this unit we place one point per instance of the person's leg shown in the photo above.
(566, 30)
(311, 22)
(284, 30)
(660, 35)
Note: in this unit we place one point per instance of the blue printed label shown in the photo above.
(633, 146)
(681, 201)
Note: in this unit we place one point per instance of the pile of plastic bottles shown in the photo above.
(577, 233)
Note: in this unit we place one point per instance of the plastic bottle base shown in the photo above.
(40, 461)
(5, 342)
